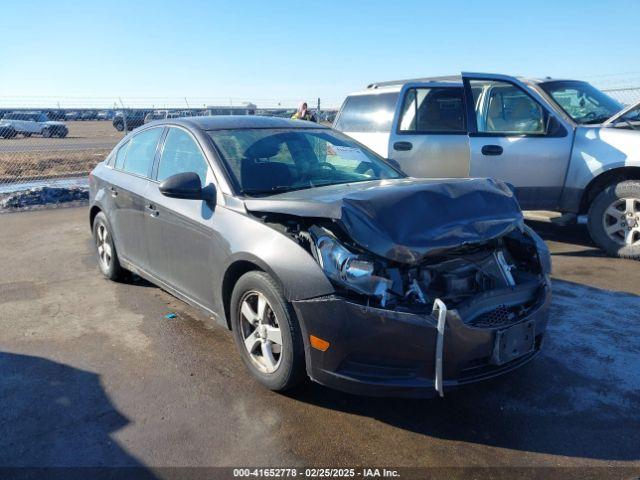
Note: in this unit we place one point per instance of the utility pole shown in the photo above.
(318, 110)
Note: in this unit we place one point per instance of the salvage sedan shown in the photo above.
(323, 259)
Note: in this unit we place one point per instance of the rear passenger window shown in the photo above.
(181, 154)
(368, 113)
(141, 151)
(122, 152)
(433, 110)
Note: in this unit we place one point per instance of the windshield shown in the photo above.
(582, 101)
(269, 161)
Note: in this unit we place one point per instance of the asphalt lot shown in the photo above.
(93, 374)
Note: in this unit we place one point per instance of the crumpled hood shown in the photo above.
(408, 219)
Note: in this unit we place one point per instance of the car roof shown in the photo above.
(454, 80)
(226, 122)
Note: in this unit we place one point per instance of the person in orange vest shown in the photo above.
(303, 113)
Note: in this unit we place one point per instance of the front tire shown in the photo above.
(46, 133)
(108, 262)
(614, 219)
(266, 332)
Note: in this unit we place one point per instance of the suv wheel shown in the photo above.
(46, 133)
(266, 332)
(119, 127)
(614, 219)
(106, 249)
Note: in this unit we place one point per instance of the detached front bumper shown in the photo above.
(381, 352)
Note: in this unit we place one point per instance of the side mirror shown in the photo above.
(187, 186)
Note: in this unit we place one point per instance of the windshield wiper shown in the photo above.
(627, 122)
(272, 190)
(595, 120)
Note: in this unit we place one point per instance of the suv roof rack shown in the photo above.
(445, 78)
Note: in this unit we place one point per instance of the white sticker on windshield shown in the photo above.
(348, 153)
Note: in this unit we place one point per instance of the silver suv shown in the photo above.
(35, 123)
(562, 144)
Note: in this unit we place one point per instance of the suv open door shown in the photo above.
(516, 136)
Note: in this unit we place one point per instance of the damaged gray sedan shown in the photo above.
(323, 259)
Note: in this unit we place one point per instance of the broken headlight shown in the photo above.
(345, 268)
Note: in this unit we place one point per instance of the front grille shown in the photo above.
(498, 317)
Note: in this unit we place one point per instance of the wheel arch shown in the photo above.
(232, 274)
(606, 178)
(95, 209)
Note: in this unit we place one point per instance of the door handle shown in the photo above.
(402, 146)
(492, 150)
(114, 192)
(153, 211)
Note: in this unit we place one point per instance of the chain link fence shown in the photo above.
(46, 151)
(625, 95)
(39, 166)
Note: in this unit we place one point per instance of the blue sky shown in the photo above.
(289, 50)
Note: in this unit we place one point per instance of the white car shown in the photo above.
(35, 123)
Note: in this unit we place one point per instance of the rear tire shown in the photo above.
(46, 133)
(108, 262)
(614, 219)
(119, 127)
(260, 318)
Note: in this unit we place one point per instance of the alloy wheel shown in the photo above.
(261, 332)
(621, 221)
(103, 242)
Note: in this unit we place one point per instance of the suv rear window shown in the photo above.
(368, 113)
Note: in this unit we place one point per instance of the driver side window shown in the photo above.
(504, 109)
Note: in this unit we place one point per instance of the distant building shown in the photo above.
(247, 109)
